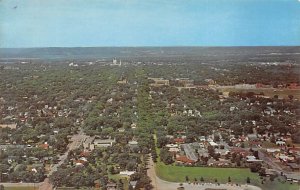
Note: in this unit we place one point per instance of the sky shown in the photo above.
(96, 23)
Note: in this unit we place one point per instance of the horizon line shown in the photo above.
(177, 46)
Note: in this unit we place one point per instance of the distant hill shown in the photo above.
(123, 52)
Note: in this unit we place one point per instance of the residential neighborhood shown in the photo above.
(149, 124)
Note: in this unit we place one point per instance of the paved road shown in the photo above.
(46, 185)
(151, 173)
(160, 184)
(269, 161)
(77, 140)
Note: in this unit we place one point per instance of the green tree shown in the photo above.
(166, 156)
(248, 180)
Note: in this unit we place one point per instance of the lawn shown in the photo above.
(178, 173)
(238, 175)
(209, 174)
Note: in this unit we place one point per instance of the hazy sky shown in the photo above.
(78, 23)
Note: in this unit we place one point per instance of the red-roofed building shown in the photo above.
(258, 85)
(294, 150)
(44, 146)
(293, 86)
(179, 140)
(185, 160)
(240, 151)
(85, 153)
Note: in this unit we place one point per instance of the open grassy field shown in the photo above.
(238, 175)
(178, 173)
(209, 174)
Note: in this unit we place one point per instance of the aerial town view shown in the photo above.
(122, 95)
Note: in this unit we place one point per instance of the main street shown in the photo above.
(76, 141)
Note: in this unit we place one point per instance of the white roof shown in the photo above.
(129, 173)
(172, 145)
(273, 150)
(212, 143)
(174, 149)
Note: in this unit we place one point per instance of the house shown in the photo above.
(104, 142)
(133, 184)
(280, 143)
(273, 150)
(56, 130)
(252, 137)
(212, 143)
(179, 140)
(220, 162)
(121, 130)
(185, 160)
(44, 146)
(159, 82)
(97, 183)
(270, 172)
(111, 186)
(172, 145)
(252, 159)
(202, 138)
(170, 136)
(124, 81)
(85, 154)
(128, 173)
(133, 125)
(38, 165)
(133, 144)
(11, 159)
(293, 86)
(222, 152)
(79, 162)
(174, 150)
(11, 126)
(294, 150)
(284, 157)
(240, 151)
(295, 177)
